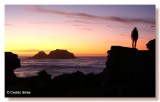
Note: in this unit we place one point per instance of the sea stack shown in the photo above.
(40, 55)
(56, 54)
(61, 54)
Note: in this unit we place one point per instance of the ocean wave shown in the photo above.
(55, 67)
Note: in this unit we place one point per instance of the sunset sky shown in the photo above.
(83, 30)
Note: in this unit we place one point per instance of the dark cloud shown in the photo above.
(108, 26)
(37, 9)
(87, 29)
(43, 22)
(152, 26)
(141, 21)
(77, 25)
(83, 21)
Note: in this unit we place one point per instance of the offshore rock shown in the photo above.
(61, 54)
(40, 55)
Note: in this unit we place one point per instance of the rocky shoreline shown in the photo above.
(129, 73)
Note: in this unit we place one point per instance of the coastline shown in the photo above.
(129, 73)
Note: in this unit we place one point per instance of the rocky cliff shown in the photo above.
(130, 72)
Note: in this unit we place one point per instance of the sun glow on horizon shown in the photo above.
(88, 30)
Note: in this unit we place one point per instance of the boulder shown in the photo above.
(151, 45)
(43, 75)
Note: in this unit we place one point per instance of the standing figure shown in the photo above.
(134, 37)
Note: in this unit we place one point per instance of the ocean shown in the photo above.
(55, 67)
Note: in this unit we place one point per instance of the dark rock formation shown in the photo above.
(56, 54)
(40, 55)
(61, 54)
(11, 62)
(44, 75)
(129, 73)
(151, 45)
(76, 85)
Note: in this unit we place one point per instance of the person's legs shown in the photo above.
(135, 43)
(132, 43)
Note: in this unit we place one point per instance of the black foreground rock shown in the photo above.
(129, 73)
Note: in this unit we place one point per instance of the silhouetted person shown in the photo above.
(134, 37)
